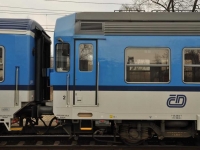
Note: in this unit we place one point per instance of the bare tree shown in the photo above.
(138, 5)
(162, 5)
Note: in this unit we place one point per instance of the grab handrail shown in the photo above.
(17, 86)
(67, 90)
(98, 84)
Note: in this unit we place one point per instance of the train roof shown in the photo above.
(129, 23)
(138, 16)
(20, 24)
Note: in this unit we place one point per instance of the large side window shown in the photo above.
(1, 64)
(191, 64)
(85, 57)
(62, 57)
(147, 65)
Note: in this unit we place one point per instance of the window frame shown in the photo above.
(3, 62)
(56, 58)
(146, 65)
(190, 65)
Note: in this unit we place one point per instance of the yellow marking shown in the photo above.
(86, 129)
(111, 116)
(16, 128)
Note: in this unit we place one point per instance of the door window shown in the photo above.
(1, 64)
(85, 57)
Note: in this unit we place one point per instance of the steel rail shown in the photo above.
(63, 147)
(86, 142)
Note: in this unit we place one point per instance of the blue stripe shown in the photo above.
(130, 88)
(110, 88)
(20, 87)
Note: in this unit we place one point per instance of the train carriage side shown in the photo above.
(24, 54)
(138, 71)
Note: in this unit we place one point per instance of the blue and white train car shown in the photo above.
(24, 58)
(138, 72)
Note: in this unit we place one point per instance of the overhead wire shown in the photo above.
(58, 10)
(87, 2)
(43, 11)
(49, 28)
(25, 11)
(30, 12)
(99, 3)
(36, 8)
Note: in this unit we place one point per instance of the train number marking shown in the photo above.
(176, 101)
(177, 117)
(5, 109)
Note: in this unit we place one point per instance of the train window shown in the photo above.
(1, 64)
(62, 57)
(149, 65)
(85, 57)
(191, 65)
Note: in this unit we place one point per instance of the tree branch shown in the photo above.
(172, 1)
(194, 6)
(168, 6)
(159, 4)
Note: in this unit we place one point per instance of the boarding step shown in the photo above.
(86, 125)
(16, 128)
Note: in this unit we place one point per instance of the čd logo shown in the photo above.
(176, 101)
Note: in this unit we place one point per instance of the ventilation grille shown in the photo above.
(91, 27)
(138, 28)
(19, 24)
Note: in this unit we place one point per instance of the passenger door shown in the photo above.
(85, 73)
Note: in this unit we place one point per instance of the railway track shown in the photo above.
(86, 142)
(96, 148)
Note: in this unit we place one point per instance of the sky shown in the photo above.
(45, 12)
